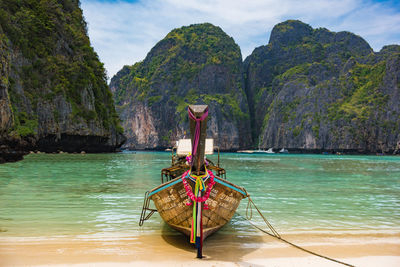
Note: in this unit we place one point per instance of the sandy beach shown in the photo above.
(359, 249)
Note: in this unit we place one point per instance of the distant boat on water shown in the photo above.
(259, 151)
(270, 151)
(246, 151)
(284, 151)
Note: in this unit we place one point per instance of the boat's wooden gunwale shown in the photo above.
(170, 200)
(217, 179)
(166, 185)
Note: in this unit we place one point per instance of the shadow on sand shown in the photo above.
(225, 245)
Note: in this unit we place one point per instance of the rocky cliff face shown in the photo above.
(316, 90)
(306, 90)
(198, 64)
(53, 91)
(11, 148)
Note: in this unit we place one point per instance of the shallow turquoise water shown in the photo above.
(102, 194)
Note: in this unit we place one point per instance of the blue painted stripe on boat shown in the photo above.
(165, 186)
(228, 185)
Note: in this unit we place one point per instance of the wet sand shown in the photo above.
(360, 249)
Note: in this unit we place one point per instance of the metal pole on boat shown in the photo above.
(200, 245)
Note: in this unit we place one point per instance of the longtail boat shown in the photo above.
(194, 196)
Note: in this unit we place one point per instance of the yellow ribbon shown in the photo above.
(199, 180)
(199, 186)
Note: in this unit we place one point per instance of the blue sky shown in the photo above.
(123, 32)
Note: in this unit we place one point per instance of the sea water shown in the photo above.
(97, 195)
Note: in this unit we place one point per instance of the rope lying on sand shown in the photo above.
(277, 235)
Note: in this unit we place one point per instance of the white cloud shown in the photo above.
(123, 33)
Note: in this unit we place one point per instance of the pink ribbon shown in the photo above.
(197, 130)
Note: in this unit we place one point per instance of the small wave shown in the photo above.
(256, 159)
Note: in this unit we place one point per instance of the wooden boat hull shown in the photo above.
(170, 200)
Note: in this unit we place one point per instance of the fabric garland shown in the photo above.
(197, 198)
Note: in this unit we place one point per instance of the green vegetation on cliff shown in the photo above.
(180, 56)
(306, 89)
(363, 96)
(317, 89)
(193, 64)
(53, 88)
(54, 59)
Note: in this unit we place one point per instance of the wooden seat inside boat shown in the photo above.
(172, 172)
(221, 172)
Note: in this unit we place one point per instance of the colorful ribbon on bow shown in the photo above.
(196, 231)
(197, 198)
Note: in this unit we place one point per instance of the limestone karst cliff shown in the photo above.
(315, 90)
(193, 64)
(307, 90)
(53, 89)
